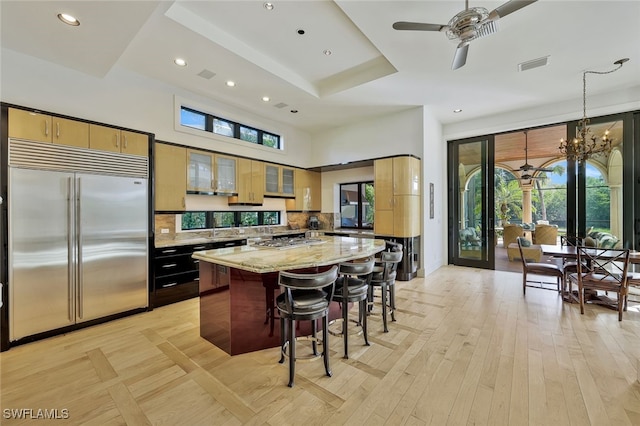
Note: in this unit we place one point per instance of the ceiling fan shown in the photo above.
(527, 168)
(467, 25)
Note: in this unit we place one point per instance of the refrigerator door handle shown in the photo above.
(79, 249)
(70, 249)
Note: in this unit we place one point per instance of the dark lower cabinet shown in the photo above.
(410, 263)
(176, 275)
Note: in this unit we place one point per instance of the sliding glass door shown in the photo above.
(471, 203)
(521, 178)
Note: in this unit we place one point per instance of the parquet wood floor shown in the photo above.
(467, 348)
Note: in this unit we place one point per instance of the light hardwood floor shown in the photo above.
(467, 348)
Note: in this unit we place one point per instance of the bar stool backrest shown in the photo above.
(389, 261)
(296, 285)
(361, 269)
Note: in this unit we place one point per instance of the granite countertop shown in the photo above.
(363, 232)
(188, 240)
(329, 251)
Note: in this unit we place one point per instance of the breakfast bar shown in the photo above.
(238, 286)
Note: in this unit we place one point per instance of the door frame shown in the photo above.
(487, 236)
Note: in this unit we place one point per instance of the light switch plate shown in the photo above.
(164, 230)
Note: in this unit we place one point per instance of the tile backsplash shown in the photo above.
(167, 222)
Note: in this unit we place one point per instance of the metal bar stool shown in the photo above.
(352, 286)
(305, 297)
(384, 277)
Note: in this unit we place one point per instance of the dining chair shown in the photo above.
(633, 288)
(539, 268)
(569, 266)
(601, 269)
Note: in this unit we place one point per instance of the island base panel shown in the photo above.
(233, 317)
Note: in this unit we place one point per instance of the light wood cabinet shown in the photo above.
(70, 132)
(383, 183)
(279, 180)
(29, 125)
(200, 171)
(250, 182)
(170, 177)
(211, 173)
(39, 127)
(406, 176)
(134, 143)
(307, 192)
(225, 174)
(406, 216)
(397, 196)
(115, 140)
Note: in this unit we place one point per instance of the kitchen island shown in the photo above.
(238, 286)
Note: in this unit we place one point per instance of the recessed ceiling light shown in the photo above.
(457, 110)
(268, 6)
(265, 98)
(180, 62)
(231, 83)
(68, 19)
(327, 52)
(294, 111)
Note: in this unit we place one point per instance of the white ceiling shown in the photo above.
(373, 69)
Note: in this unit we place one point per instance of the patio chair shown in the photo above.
(510, 233)
(545, 234)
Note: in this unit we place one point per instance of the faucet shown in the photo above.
(213, 231)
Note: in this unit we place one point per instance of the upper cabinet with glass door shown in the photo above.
(211, 173)
(225, 175)
(279, 181)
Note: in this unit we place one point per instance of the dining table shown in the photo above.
(571, 252)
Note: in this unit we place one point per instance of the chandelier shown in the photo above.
(586, 143)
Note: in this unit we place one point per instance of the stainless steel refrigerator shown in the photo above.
(78, 240)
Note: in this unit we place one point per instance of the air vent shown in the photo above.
(280, 105)
(534, 63)
(205, 73)
(486, 29)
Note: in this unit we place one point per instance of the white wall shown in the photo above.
(434, 170)
(393, 134)
(129, 100)
(604, 104)
(414, 131)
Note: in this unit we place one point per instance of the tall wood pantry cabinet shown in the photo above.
(397, 196)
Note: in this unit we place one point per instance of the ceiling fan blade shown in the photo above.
(417, 26)
(460, 57)
(508, 7)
